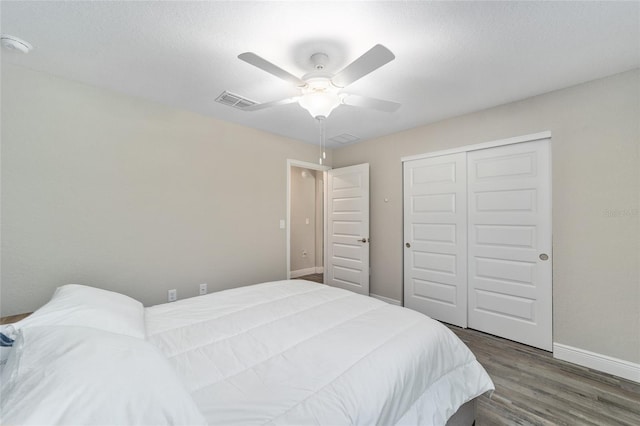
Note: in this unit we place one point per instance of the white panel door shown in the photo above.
(348, 228)
(435, 234)
(509, 242)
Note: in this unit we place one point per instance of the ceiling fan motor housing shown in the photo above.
(319, 60)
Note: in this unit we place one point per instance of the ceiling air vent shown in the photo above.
(235, 101)
(344, 138)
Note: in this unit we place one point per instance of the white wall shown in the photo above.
(132, 196)
(596, 194)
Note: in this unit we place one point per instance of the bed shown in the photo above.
(284, 352)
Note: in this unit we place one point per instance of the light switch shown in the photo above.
(281, 223)
(306, 221)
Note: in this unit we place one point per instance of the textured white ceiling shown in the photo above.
(451, 57)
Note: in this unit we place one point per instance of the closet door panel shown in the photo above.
(435, 228)
(509, 242)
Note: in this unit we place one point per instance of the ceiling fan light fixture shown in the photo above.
(320, 104)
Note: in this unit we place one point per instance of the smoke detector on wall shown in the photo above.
(15, 44)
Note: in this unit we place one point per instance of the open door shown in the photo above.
(347, 260)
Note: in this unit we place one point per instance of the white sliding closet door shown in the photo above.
(435, 233)
(509, 242)
(477, 235)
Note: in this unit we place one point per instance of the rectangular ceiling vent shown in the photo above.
(344, 138)
(235, 101)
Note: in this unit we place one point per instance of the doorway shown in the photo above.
(342, 195)
(305, 220)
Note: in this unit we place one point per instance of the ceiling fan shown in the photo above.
(320, 91)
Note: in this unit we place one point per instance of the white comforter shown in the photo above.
(296, 352)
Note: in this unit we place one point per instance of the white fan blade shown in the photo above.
(263, 64)
(372, 103)
(265, 105)
(373, 59)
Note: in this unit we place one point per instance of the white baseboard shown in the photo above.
(319, 269)
(302, 272)
(606, 364)
(386, 299)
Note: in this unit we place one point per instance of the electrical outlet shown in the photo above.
(203, 289)
(172, 295)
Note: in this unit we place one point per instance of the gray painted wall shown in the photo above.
(132, 196)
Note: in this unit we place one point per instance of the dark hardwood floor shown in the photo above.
(319, 278)
(533, 388)
(13, 318)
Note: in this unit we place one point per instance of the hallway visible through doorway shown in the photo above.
(318, 278)
(306, 222)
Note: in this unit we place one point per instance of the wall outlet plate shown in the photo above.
(203, 289)
(172, 295)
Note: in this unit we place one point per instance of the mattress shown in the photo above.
(296, 352)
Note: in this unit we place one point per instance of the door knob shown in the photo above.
(544, 256)
(408, 245)
(364, 240)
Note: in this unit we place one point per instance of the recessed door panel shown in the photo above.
(434, 232)
(435, 262)
(342, 182)
(507, 236)
(347, 205)
(505, 306)
(434, 203)
(350, 278)
(347, 252)
(517, 166)
(347, 228)
(519, 200)
(435, 292)
(505, 270)
(437, 174)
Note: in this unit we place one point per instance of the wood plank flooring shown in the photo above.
(13, 318)
(318, 278)
(533, 388)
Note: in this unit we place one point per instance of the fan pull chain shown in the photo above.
(323, 154)
(324, 138)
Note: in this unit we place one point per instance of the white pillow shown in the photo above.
(83, 376)
(75, 304)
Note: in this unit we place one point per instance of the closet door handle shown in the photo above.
(364, 240)
(408, 245)
(544, 256)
